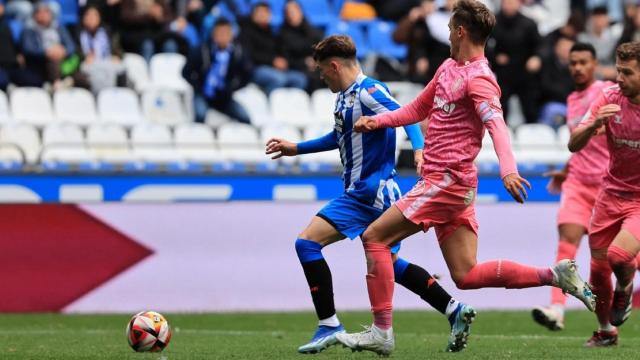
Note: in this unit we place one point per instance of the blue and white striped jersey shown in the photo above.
(368, 158)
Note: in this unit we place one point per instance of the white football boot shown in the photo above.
(372, 339)
(566, 277)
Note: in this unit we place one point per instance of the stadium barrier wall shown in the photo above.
(228, 256)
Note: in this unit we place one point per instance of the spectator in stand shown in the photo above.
(50, 51)
(145, 28)
(298, 38)
(393, 10)
(556, 84)
(109, 12)
(426, 35)
(573, 27)
(271, 70)
(101, 53)
(221, 69)
(512, 53)
(603, 36)
(631, 30)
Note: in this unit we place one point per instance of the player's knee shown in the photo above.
(459, 279)
(599, 254)
(619, 257)
(308, 250)
(371, 236)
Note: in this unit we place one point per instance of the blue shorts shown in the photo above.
(351, 217)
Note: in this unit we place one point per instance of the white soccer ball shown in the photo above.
(148, 331)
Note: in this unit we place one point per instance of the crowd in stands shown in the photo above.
(228, 44)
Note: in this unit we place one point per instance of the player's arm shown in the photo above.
(598, 114)
(412, 113)
(282, 147)
(378, 100)
(486, 99)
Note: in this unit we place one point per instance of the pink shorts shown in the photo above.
(576, 203)
(611, 214)
(440, 202)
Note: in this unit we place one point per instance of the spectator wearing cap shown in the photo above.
(271, 69)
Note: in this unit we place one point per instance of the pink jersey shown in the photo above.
(589, 165)
(623, 141)
(460, 101)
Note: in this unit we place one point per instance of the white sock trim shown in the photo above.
(330, 321)
(451, 306)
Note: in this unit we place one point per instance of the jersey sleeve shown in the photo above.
(412, 113)
(485, 95)
(377, 99)
(323, 143)
(591, 114)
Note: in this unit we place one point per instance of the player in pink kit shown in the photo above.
(614, 236)
(580, 179)
(459, 103)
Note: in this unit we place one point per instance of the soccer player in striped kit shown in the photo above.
(369, 189)
(614, 234)
(581, 178)
(460, 102)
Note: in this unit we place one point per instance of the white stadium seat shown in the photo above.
(152, 143)
(25, 136)
(163, 107)
(166, 72)
(5, 113)
(537, 143)
(286, 132)
(108, 142)
(137, 70)
(291, 106)
(195, 143)
(330, 158)
(64, 143)
(31, 105)
(75, 105)
(563, 136)
(241, 143)
(323, 102)
(120, 106)
(255, 103)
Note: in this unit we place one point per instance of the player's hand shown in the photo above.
(604, 113)
(514, 184)
(418, 160)
(555, 183)
(281, 147)
(365, 124)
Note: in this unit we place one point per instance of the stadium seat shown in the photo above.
(25, 136)
(31, 105)
(137, 70)
(166, 72)
(380, 35)
(317, 12)
(323, 103)
(403, 91)
(5, 113)
(215, 119)
(355, 31)
(62, 145)
(241, 143)
(163, 107)
(108, 143)
(120, 106)
(291, 106)
(563, 136)
(68, 12)
(287, 132)
(196, 144)
(75, 105)
(11, 157)
(152, 143)
(256, 104)
(537, 143)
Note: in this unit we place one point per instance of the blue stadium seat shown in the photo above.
(355, 31)
(16, 27)
(318, 12)
(68, 12)
(380, 34)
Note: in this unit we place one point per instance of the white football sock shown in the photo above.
(330, 321)
(451, 307)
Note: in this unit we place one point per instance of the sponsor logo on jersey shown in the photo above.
(443, 105)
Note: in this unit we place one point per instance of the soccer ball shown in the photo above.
(148, 331)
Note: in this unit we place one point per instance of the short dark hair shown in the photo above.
(475, 18)
(600, 10)
(258, 4)
(629, 51)
(222, 22)
(583, 46)
(340, 46)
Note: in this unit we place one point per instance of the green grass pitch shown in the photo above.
(419, 335)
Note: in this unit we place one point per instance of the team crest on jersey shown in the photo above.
(350, 99)
(456, 85)
(372, 89)
(337, 116)
(617, 119)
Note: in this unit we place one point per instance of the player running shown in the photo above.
(580, 179)
(368, 176)
(614, 235)
(461, 100)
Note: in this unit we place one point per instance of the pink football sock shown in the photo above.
(380, 283)
(600, 280)
(507, 274)
(566, 250)
(623, 264)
